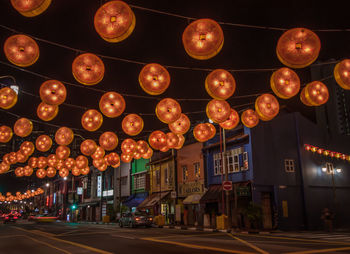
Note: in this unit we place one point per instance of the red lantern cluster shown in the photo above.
(325, 152)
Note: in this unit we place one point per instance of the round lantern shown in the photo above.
(5, 158)
(41, 173)
(12, 157)
(30, 8)
(81, 162)
(168, 110)
(42, 162)
(27, 148)
(88, 147)
(23, 127)
(181, 125)
(132, 124)
(298, 47)
(53, 92)
(69, 163)
(164, 148)
(60, 164)
(202, 132)
(231, 122)
(5, 134)
(218, 111)
(128, 146)
(98, 162)
(181, 141)
(154, 79)
(28, 171)
(91, 120)
(64, 136)
(50, 172)
(76, 171)
(113, 159)
(98, 154)
(157, 140)
(103, 167)
(126, 158)
(141, 147)
(21, 157)
(212, 130)
(43, 143)
(47, 112)
(267, 106)
(63, 172)
(285, 83)
(108, 140)
(250, 118)
(8, 98)
(303, 98)
(85, 171)
(21, 50)
(137, 156)
(342, 74)
(148, 154)
(19, 172)
(203, 39)
(88, 69)
(316, 93)
(62, 152)
(114, 21)
(4, 167)
(172, 140)
(52, 160)
(112, 104)
(220, 84)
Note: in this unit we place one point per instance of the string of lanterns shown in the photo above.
(20, 196)
(326, 152)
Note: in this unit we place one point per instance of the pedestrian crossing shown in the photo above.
(319, 236)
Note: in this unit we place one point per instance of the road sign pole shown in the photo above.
(228, 206)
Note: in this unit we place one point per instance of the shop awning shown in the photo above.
(213, 194)
(153, 199)
(135, 199)
(192, 199)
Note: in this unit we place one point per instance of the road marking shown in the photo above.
(47, 244)
(248, 244)
(69, 232)
(194, 246)
(319, 251)
(170, 236)
(123, 236)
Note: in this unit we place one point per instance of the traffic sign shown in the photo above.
(227, 185)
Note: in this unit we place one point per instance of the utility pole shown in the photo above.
(228, 207)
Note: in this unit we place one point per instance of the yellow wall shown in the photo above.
(163, 167)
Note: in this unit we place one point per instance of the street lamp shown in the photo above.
(330, 170)
(65, 178)
(47, 184)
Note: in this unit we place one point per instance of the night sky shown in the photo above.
(157, 38)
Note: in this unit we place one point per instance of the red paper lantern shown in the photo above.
(148, 154)
(63, 172)
(98, 162)
(298, 47)
(60, 164)
(114, 21)
(342, 74)
(4, 167)
(64, 136)
(220, 84)
(91, 120)
(5, 134)
(42, 162)
(231, 122)
(132, 124)
(325, 152)
(316, 93)
(181, 141)
(5, 158)
(53, 92)
(52, 160)
(172, 140)
(181, 125)
(76, 171)
(28, 171)
(267, 107)
(50, 172)
(203, 39)
(69, 163)
(250, 118)
(102, 168)
(62, 152)
(23, 127)
(19, 172)
(141, 147)
(157, 140)
(30, 8)
(41, 173)
(8, 98)
(81, 162)
(212, 130)
(88, 69)
(218, 111)
(168, 110)
(112, 104)
(21, 157)
(128, 146)
(137, 156)
(98, 154)
(126, 158)
(154, 79)
(85, 171)
(43, 143)
(108, 140)
(27, 148)
(88, 147)
(47, 112)
(113, 159)
(12, 158)
(303, 98)
(202, 132)
(285, 83)
(21, 50)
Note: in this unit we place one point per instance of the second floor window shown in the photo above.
(217, 164)
(289, 165)
(139, 181)
(197, 170)
(184, 173)
(158, 176)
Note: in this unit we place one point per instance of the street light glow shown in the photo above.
(65, 178)
(210, 121)
(15, 88)
(324, 169)
(338, 170)
(47, 184)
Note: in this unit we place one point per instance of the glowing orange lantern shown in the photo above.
(303, 98)
(203, 39)
(181, 125)
(172, 140)
(28, 171)
(60, 164)
(137, 156)
(88, 147)
(164, 148)
(8, 98)
(33, 162)
(112, 104)
(98, 162)
(52, 160)
(98, 154)
(91, 120)
(42, 162)
(342, 74)
(69, 163)
(316, 93)
(21, 157)
(181, 141)
(88, 69)
(325, 152)
(62, 152)
(21, 50)
(114, 21)
(43, 143)
(285, 83)
(218, 111)
(23, 127)
(154, 79)
(108, 140)
(30, 8)
(63, 172)
(81, 162)
(5, 134)
(50, 172)
(212, 130)
(4, 167)
(41, 173)
(128, 146)
(64, 136)
(85, 171)
(113, 159)
(53, 92)
(298, 47)
(231, 122)
(126, 157)
(5, 158)
(250, 118)
(220, 84)
(19, 172)
(141, 147)
(148, 154)
(267, 106)
(132, 124)
(47, 112)
(103, 167)
(202, 132)
(168, 110)
(157, 140)
(76, 171)
(12, 158)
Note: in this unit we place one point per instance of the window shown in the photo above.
(289, 165)
(232, 160)
(123, 180)
(184, 173)
(157, 176)
(166, 175)
(197, 170)
(139, 181)
(245, 161)
(217, 164)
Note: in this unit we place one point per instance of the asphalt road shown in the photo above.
(24, 237)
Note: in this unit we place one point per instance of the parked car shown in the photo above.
(7, 218)
(135, 219)
(41, 218)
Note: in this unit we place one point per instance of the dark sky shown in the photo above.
(157, 38)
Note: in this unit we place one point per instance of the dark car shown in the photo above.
(135, 219)
(9, 218)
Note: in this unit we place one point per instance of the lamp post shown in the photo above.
(329, 169)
